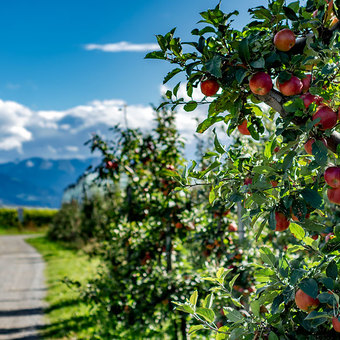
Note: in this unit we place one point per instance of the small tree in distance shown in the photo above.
(288, 58)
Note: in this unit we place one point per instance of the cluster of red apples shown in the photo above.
(261, 84)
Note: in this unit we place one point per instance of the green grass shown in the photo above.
(68, 317)
(22, 231)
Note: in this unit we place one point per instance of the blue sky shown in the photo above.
(48, 76)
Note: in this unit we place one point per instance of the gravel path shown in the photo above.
(22, 289)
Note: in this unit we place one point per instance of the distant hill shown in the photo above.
(39, 182)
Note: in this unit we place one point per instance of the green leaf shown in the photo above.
(284, 76)
(221, 336)
(240, 74)
(232, 281)
(212, 196)
(288, 161)
(320, 152)
(260, 63)
(243, 49)
(171, 74)
(207, 123)
(312, 197)
(236, 334)
(155, 55)
(207, 313)
(255, 307)
(327, 282)
(209, 168)
(332, 270)
(297, 231)
(218, 147)
(195, 328)
(220, 273)
(316, 315)
(310, 287)
(276, 303)
(185, 308)
(272, 336)
(208, 301)
(290, 14)
(233, 315)
(213, 66)
(190, 106)
(193, 298)
(267, 256)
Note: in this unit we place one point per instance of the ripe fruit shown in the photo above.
(260, 83)
(315, 237)
(274, 183)
(209, 87)
(333, 195)
(328, 117)
(282, 223)
(305, 302)
(232, 227)
(248, 181)
(309, 144)
(309, 99)
(291, 87)
(243, 128)
(306, 83)
(336, 324)
(276, 149)
(178, 225)
(111, 165)
(332, 176)
(284, 40)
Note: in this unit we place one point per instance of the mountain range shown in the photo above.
(38, 182)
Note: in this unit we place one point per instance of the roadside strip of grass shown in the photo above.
(68, 317)
(22, 231)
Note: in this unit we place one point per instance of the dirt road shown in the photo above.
(21, 289)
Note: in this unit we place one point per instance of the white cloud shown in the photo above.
(122, 46)
(61, 134)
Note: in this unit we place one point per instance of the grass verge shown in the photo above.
(67, 314)
(22, 231)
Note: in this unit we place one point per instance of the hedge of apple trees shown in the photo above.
(283, 66)
(159, 240)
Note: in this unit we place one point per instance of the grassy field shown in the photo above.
(23, 231)
(68, 316)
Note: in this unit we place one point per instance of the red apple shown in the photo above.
(327, 115)
(111, 165)
(315, 237)
(276, 149)
(305, 302)
(260, 83)
(248, 181)
(309, 144)
(333, 195)
(309, 99)
(284, 40)
(306, 83)
(291, 87)
(282, 223)
(209, 87)
(332, 176)
(336, 324)
(243, 128)
(232, 227)
(274, 183)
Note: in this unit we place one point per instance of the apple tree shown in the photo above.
(281, 68)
